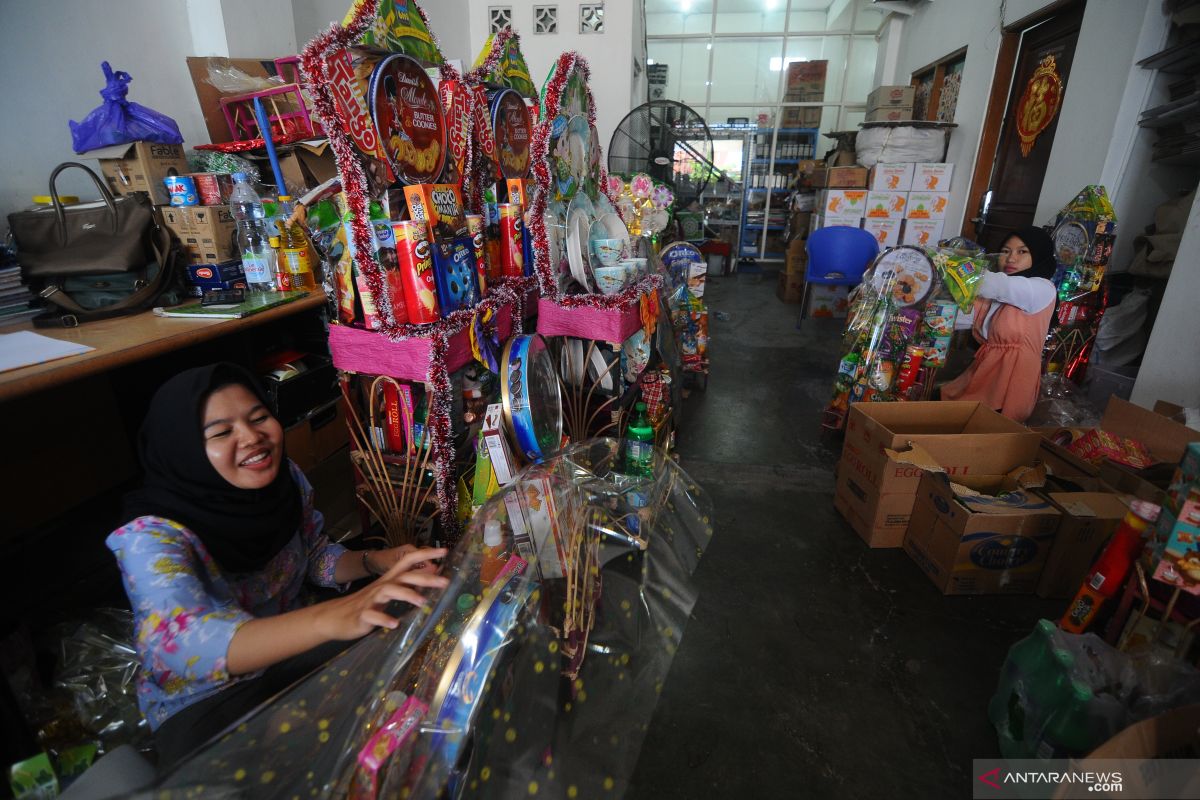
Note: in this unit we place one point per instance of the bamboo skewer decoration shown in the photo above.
(577, 397)
(395, 502)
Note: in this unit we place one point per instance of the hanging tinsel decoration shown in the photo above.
(314, 67)
(568, 64)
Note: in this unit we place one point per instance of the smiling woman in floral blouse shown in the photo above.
(220, 542)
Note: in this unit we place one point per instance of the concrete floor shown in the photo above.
(812, 665)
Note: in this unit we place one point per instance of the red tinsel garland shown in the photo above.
(314, 67)
(483, 72)
(539, 152)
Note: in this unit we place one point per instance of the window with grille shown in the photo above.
(591, 18)
(499, 17)
(545, 19)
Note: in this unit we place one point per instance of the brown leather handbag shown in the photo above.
(94, 260)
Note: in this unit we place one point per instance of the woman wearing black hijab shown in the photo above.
(1010, 320)
(220, 542)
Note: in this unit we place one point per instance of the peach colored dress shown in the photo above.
(1007, 369)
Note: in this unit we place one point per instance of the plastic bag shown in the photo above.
(120, 121)
(1121, 337)
(962, 272)
(228, 79)
(899, 144)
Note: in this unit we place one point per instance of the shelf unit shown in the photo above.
(769, 158)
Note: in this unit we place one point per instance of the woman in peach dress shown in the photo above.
(1010, 321)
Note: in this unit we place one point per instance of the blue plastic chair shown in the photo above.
(837, 256)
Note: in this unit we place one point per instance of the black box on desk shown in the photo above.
(300, 385)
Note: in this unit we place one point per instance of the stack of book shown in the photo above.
(14, 297)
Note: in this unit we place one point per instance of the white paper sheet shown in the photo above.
(24, 348)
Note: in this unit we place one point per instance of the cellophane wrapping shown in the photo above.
(535, 673)
(898, 332)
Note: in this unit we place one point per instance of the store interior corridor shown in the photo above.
(809, 656)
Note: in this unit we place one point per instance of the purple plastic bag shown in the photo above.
(118, 121)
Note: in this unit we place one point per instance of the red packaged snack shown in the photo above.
(416, 271)
(512, 244)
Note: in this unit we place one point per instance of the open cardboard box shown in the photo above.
(982, 534)
(210, 96)
(1088, 520)
(875, 491)
(1163, 437)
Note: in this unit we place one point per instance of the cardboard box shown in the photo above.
(827, 302)
(886, 205)
(891, 177)
(922, 231)
(208, 233)
(984, 548)
(843, 202)
(929, 177)
(804, 79)
(140, 167)
(968, 440)
(1060, 461)
(885, 231)
(825, 221)
(790, 288)
(801, 117)
(504, 466)
(305, 165)
(799, 224)
(891, 96)
(1088, 519)
(1173, 735)
(810, 173)
(927, 205)
(848, 177)
(889, 114)
(797, 258)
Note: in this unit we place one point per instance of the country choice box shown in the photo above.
(875, 491)
(980, 536)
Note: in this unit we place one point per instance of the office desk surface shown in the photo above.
(124, 340)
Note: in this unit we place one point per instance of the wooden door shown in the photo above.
(1008, 198)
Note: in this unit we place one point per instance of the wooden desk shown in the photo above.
(124, 340)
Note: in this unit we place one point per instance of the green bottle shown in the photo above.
(639, 444)
(1070, 730)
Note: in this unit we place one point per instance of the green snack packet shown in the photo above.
(33, 779)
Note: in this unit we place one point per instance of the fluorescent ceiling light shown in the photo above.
(778, 63)
(650, 62)
(685, 5)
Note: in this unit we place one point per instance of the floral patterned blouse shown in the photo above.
(186, 610)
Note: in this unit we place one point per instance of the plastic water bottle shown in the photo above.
(639, 444)
(258, 259)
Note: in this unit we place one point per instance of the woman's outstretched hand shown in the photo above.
(357, 614)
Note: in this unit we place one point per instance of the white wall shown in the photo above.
(1170, 370)
(609, 55)
(50, 56)
(1103, 65)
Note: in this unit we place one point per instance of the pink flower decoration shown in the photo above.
(641, 185)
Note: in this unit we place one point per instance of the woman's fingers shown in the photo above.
(394, 591)
(419, 578)
(411, 559)
(379, 619)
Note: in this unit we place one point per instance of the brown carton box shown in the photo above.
(806, 78)
(790, 288)
(966, 439)
(890, 96)
(889, 114)
(854, 177)
(207, 233)
(305, 166)
(140, 167)
(1088, 519)
(797, 254)
(988, 548)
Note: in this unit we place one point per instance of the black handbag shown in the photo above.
(94, 260)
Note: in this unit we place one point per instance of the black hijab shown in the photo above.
(242, 529)
(1041, 249)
